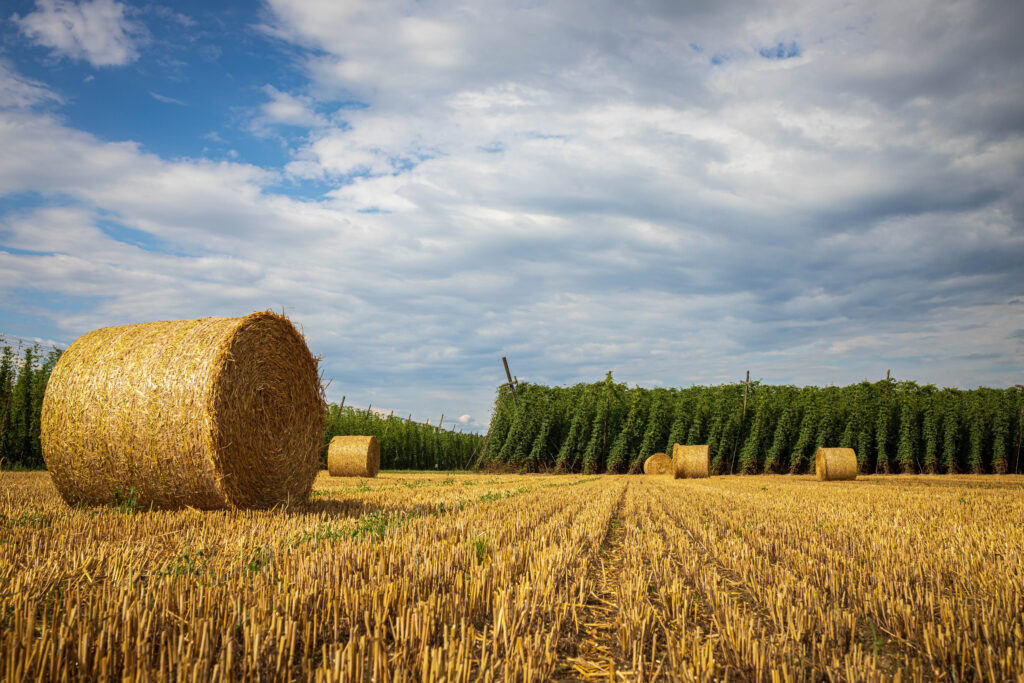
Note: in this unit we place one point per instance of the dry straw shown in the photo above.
(835, 464)
(353, 456)
(208, 413)
(659, 463)
(691, 462)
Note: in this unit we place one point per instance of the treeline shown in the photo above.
(893, 426)
(23, 381)
(404, 444)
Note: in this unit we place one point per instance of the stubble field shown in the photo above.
(458, 577)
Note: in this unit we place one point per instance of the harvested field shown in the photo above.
(469, 577)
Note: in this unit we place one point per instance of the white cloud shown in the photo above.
(97, 31)
(18, 92)
(289, 110)
(165, 99)
(579, 188)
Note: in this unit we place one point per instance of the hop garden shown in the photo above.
(894, 427)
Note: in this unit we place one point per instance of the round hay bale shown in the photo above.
(659, 463)
(835, 464)
(208, 413)
(691, 462)
(353, 456)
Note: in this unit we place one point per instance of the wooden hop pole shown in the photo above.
(511, 383)
(743, 421)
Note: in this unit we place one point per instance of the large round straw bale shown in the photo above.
(659, 463)
(353, 456)
(209, 413)
(835, 464)
(691, 462)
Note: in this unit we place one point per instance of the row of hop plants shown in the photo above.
(404, 444)
(894, 427)
(23, 379)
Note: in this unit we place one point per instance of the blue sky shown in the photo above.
(816, 191)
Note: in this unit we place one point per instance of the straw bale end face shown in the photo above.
(691, 462)
(835, 464)
(353, 456)
(659, 463)
(210, 413)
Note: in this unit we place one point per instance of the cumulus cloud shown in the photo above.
(836, 166)
(816, 192)
(100, 32)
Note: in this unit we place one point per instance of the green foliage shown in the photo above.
(698, 431)
(800, 458)
(628, 440)
(828, 423)
(22, 387)
(893, 426)
(999, 408)
(776, 460)
(908, 442)
(883, 433)
(570, 454)
(606, 426)
(34, 519)
(681, 420)
(722, 456)
(931, 435)
(187, 564)
(977, 432)
(126, 502)
(605, 419)
(656, 430)
(952, 442)
(755, 445)
(405, 444)
(480, 549)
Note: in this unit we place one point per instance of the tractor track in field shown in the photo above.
(599, 653)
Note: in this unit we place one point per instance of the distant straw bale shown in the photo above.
(208, 413)
(835, 464)
(353, 456)
(691, 462)
(659, 463)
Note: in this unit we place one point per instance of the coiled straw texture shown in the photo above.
(691, 462)
(835, 464)
(353, 456)
(208, 413)
(659, 463)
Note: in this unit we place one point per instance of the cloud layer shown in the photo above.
(815, 191)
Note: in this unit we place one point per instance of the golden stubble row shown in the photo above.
(448, 578)
(782, 578)
(480, 577)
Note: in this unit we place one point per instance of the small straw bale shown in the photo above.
(353, 456)
(659, 463)
(691, 462)
(835, 464)
(209, 413)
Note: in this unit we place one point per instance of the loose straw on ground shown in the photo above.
(208, 413)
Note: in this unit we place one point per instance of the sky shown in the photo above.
(677, 192)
